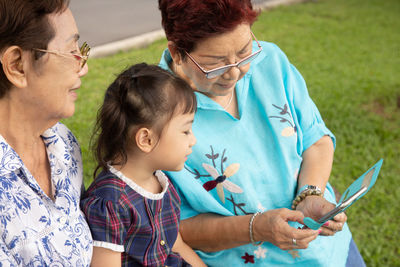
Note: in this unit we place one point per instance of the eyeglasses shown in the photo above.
(210, 74)
(82, 58)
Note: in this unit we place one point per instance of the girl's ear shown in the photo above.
(145, 140)
(176, 56)
(12, 62)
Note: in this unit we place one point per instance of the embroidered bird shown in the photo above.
(220, 181)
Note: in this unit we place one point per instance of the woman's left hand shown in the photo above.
(315, 207)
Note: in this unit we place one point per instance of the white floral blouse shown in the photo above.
(34, 229)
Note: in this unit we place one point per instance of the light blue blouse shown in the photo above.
(261, 153)
(34, 229)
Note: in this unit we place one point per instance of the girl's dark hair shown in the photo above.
(141, 96)
(25, 23)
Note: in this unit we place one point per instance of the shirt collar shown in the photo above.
(9, 159)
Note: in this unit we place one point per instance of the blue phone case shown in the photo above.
(364, 180)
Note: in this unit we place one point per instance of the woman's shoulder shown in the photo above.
(270, 52)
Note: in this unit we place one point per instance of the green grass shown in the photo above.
(349, 54)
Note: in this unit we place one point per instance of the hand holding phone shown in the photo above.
(354, 192)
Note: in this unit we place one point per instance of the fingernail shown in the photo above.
(319, 231)
(326, 224)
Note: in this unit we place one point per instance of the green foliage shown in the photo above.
(349, 54)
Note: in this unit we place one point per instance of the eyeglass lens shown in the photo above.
(221, 71)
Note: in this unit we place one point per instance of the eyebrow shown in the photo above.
(74, 37)
(189, 122)
(222, 57)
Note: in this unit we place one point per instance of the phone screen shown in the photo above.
(342, 206)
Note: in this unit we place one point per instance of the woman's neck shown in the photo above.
(228, 102)
(20, 127)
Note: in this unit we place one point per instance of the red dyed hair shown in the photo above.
(186, 22)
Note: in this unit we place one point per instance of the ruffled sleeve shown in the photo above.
(109, 221)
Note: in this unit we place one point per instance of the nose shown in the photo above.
(193, 140)
(232, 74)
(84, 70)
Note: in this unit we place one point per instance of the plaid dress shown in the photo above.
(125, 218)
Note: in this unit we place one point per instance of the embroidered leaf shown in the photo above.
(212, 157)
(284, 110)
(224, 159)
(196, 174)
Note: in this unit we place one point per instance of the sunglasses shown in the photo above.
(82, 57)
(210, 74)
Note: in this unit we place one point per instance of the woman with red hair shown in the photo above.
(261, 143)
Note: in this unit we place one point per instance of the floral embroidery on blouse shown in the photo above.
(35, 230)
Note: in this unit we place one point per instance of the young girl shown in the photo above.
(144, 126)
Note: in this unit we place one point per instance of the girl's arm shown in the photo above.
(103, 257)
(187, 253)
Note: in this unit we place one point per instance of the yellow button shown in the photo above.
(162, 242)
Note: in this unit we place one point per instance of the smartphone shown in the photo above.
(354, 192)
(340, 208)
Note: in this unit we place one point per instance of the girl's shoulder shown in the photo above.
(107, 186)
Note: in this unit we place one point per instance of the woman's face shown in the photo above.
(53, 82)
(217, 51)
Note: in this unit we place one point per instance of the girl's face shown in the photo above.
(175, 143)
(217, 51)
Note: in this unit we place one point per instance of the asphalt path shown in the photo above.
(111, 26)
(103, 21)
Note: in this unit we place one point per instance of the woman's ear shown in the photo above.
(145, 140)
(176, 56)
(12, 62)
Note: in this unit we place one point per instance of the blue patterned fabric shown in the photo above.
(277, 122)
(35, 230)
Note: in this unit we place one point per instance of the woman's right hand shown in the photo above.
(272, 226)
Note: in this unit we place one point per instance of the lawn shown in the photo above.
(349, 54)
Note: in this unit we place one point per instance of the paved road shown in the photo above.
(103, 21)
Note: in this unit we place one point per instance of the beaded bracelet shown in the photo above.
(251, 230)
(310, 190)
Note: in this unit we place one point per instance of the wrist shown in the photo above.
(251, 230)
(304, 192)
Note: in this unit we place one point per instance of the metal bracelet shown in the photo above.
(259, 243)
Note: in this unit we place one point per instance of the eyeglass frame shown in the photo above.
(83, 57)
(229, 66)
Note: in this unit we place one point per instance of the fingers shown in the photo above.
(298, 239)
(292, 238)
(331, 227)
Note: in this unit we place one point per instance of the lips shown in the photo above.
(227, 85)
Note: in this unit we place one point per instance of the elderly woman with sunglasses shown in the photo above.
(41, 167)
(261, 142)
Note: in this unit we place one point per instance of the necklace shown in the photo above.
(230, 101)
